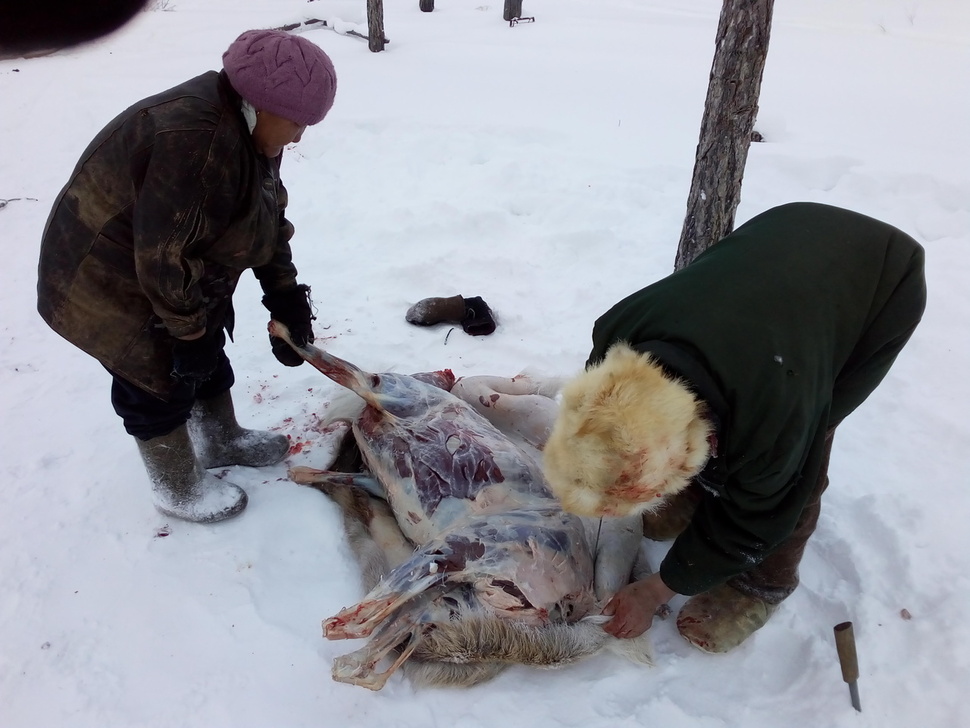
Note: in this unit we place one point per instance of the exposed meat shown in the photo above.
(473, 563)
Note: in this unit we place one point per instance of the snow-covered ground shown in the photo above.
(544, 167)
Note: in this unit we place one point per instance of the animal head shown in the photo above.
(627, 436)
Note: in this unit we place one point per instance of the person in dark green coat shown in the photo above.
(710, 400)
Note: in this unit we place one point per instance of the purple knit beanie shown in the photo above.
(284, 74)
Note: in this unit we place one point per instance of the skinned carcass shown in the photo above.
(470, 562)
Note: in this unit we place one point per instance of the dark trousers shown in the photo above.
(776, 577)
(146, 416)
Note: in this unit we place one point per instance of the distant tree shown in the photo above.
(730, 111)
(375, 25)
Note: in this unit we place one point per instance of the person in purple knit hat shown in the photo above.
(170, 203)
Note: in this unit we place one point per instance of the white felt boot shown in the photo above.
(181, 487)
(220, 441)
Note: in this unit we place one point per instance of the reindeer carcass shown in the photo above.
(471, 563)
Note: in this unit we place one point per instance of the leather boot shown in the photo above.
(220, 441)
(180, 487)
(721, 619)
(431, 311)
(472, 314)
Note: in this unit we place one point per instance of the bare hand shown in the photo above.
(633, 607)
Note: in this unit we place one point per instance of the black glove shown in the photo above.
(195, 360)
(478, 320)
(292, 309)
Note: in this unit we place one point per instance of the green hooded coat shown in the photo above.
(783, 328)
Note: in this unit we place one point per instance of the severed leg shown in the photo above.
(404, 583)
(446, 559)
(521, 407)
(378, 546)
(619, 559)
(617, 543)
(329, 480)
(401, 631)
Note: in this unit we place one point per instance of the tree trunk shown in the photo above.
(729, 115)
(513, 9)
(375, 25)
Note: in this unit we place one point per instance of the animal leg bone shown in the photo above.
(435, 563)
(358, 668)
(363, 618)
(405, 627)
(342, 372)
(329, 479)
(518, 406)
(617, 542)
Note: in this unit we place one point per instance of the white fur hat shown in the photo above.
(626, 437)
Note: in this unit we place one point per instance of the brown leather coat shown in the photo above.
(164, 211)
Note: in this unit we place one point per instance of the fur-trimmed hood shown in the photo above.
(627, 436)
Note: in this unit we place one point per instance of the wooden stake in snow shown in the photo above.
(845, 645)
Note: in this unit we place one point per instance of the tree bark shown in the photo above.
(375, 25)
(513, 9)
(730, 111)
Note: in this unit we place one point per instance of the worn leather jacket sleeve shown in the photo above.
(280, 273)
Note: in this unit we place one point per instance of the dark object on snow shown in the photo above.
(49, 25)
(426, 6)
(431, 311)
(512, 9)
(473, 314)
(849, 662)
(478, 320)
(4, 203)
